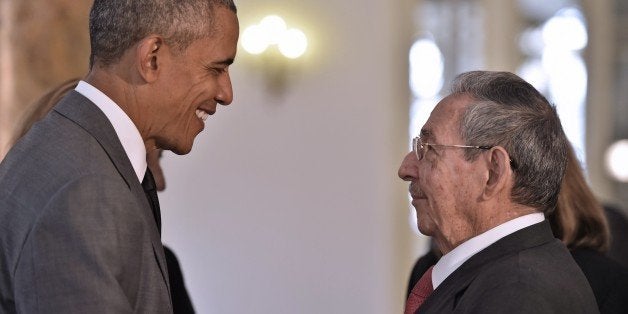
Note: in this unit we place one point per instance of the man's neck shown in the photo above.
(487, 219)
(113, 82)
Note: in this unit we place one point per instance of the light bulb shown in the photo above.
(273, 27)
(254, 40)
(617, 160)
(293, 43)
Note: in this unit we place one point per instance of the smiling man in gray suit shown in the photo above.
(487, 165)
(78, 232)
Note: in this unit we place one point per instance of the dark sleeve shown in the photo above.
(616, 301)
(181, 302)
(608, 280)
(618, 225)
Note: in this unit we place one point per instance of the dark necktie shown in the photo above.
(420, 292)
(151, 194)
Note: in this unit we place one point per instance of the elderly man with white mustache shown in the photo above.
(485, 169)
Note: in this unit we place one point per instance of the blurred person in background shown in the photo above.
(580, 222)
(618, 225)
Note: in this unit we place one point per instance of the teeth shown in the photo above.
(202, 114)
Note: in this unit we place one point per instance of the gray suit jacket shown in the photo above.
(528, 271)
(77, 234)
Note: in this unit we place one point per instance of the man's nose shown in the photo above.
(409, 167)
(225, 94)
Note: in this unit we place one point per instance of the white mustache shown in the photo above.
(415, 191)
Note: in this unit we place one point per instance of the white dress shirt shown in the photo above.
(127, 132)
(452, 260)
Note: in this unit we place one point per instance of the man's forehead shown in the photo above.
(445, 117)
(433, 126)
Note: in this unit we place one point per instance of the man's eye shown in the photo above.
(216, 70)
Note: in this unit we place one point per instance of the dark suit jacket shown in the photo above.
(181, 302)
(528, 271)
(77, 234)
(608, 278)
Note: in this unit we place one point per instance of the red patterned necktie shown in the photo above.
(420, 292)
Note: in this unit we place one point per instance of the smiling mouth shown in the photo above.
(201, 114)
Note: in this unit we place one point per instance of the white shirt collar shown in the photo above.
(126, 130)
(454, 259)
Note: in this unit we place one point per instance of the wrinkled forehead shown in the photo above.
(443, 124)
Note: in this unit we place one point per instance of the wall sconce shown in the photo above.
(275, 47)
(616, 157)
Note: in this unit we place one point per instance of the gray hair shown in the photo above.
(511, 113)
(117, 25)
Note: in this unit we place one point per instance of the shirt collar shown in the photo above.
(127, 132)
(454, 259)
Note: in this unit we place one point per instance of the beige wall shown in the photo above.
(289, 202)
(501, 27)
(601, 55)
(42, 43)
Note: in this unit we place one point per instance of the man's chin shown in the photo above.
(177, 148)
(181, 150)
(424, 228)
(425, 232)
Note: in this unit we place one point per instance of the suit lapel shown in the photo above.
(455, 285)
(88, 116)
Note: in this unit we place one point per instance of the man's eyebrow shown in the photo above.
(226, 62)
(426, 134)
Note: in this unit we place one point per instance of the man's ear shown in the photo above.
(150, 52)
(499, 173)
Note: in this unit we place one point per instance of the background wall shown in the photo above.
(42, 43)
(289, 201)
